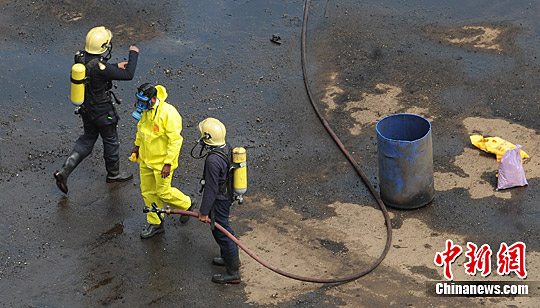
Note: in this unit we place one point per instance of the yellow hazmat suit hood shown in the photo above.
(161, 93)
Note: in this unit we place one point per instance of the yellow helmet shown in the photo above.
(212, 132)
(98, 40)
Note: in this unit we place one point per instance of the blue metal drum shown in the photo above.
(405, 154)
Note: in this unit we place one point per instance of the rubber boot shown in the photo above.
(114, 174)
(152, 230)
(220, 262)
(232, 274)
(61, 176)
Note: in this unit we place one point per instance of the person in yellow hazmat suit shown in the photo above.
(157, 147)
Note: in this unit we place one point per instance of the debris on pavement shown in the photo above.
(276, 39)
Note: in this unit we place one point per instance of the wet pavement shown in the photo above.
(468, 67)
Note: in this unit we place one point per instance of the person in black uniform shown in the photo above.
(98, 113)
(216, 199)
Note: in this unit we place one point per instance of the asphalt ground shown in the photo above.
(468, 67)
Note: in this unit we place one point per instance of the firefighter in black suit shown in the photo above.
(98, 113)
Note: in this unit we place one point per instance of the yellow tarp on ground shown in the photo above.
(495, 145)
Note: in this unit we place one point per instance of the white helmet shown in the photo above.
(212, 132)
(98, 40)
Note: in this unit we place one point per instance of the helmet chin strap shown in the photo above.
(109, 50)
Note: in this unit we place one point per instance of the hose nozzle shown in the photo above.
(154, 209)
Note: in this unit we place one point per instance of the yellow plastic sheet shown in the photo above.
(495, 145)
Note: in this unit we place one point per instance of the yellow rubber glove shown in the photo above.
(134, 158)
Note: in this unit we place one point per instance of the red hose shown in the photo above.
(353, 163)
(266, 264)
(351, 160)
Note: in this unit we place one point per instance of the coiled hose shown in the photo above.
(355, 166)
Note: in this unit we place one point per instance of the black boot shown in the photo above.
(232, 274)
(152, 230)
(114, 174)
(61, 176)
(220, 262)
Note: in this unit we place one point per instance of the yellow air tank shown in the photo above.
(78, 72)
(239, 172)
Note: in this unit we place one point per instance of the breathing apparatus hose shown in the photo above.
(353, 163)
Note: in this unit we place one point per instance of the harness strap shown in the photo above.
(226, 187)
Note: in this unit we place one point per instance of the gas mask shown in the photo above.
(144, 95)
(143, 104)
